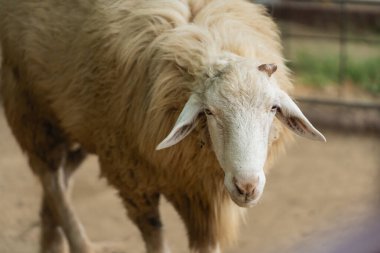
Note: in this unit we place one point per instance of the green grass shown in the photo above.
(322, 70)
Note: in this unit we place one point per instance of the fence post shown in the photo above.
(343, 42)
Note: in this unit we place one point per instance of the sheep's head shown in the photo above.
(240, 102)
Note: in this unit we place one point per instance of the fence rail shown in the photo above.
(356, 2)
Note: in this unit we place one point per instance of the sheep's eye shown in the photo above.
(208, 112)
(274, 108)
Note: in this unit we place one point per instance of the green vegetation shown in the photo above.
(322, 70)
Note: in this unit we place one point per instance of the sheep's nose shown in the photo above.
(245, 188)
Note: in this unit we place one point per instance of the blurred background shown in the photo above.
(320, 197)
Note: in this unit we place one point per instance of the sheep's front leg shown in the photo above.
(143, 211)
(200, 220)
(52, 237)
(60, 209)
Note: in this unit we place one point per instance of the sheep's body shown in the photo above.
(113, 76)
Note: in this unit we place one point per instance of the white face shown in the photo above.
(239, 117)
(240, 104)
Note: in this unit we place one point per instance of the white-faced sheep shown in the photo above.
(115, 76)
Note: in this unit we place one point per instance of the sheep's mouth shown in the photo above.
(243, 201)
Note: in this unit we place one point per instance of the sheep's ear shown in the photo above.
(289, 114)
(184, 125)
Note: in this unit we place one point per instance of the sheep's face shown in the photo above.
(240, 104)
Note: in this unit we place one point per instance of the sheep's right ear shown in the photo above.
(289, 114)
(185, 123)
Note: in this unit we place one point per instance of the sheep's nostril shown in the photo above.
(246, 189)
(240, 190)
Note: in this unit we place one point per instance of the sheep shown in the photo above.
(128, 81)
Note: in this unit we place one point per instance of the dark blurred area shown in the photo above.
(328, 14)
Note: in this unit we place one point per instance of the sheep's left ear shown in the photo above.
(289, 114)
(185, 123)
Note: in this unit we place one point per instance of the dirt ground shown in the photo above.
(314, 189)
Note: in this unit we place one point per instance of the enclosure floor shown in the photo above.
(316, 188)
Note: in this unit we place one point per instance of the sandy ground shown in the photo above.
(314, 189)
